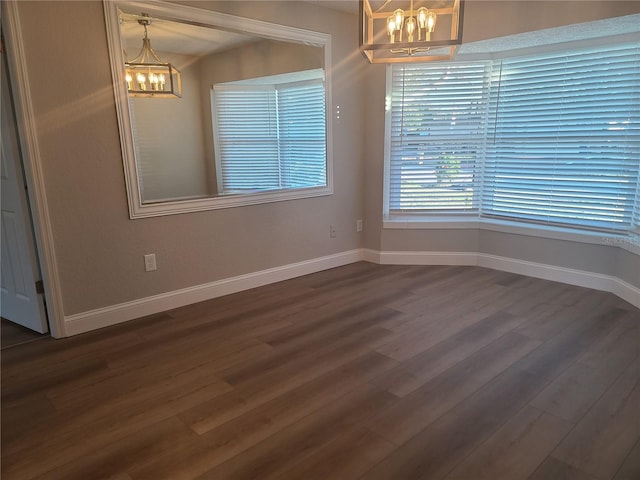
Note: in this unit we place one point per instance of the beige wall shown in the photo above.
(492, 19)
(99, 250)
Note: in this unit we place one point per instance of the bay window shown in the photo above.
(552, 139)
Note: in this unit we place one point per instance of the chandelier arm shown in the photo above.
(146, 53)
(152, 52)
(138, 58)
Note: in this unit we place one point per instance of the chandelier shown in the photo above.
(148, 76)
(394, 31)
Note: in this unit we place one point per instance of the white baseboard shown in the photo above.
(627, 292)
(103, 317)
(569, 276)
(580, 278)
(428, 258)
(371, 256)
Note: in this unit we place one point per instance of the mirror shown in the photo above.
(249, 123)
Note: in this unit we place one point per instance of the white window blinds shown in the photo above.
(301, 109)
(246, 142)
(270, 136)
(551, 139)
(438, 113)
(564, 146)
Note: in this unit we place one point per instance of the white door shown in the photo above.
(20, 301)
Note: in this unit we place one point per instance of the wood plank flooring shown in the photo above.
(12, 334)
(363, 372)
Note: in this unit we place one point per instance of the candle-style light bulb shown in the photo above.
(161, 81)
(431, 22)
(421, 16)
(153, 81)
(430, 25)
(398, 17)
(411, 27)
(129, 81)
(391, 28)
(142, 81)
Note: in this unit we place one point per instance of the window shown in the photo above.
(261, 142)
(552, 139)
(438, 113)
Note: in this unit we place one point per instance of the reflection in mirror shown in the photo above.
(250, 125)
(269, 132)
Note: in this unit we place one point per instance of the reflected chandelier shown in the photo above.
(405, 31)
(148, 76)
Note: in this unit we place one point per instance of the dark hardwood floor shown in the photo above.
(12, 334)
(357, 373)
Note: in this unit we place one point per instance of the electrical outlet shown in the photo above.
(359, 225)
(150, 262)
(332, 231)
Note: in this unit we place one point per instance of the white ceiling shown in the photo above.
(185, 39)
(174, 37)
(349, 6)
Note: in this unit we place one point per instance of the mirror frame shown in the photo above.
(207, 18)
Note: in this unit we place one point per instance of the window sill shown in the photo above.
(630, 243)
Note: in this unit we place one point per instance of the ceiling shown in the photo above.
(174, 37)
(185, 39)
(349, 6)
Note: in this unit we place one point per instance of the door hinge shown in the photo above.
(39, 287)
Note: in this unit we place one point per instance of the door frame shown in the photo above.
(33, 171)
